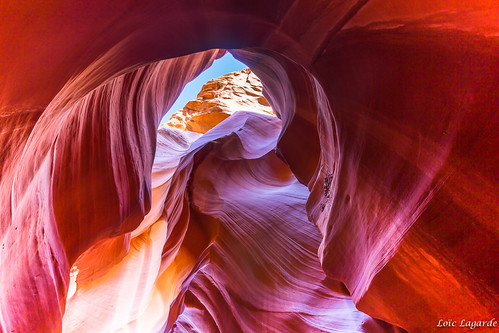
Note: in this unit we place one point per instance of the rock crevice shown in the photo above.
(372, 194)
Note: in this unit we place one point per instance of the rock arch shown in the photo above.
(391, 105)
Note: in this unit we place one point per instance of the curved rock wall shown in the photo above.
(389, 118)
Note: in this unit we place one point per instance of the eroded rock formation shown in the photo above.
(369, 203)
(219, 98)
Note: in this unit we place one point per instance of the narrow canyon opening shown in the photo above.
(221, 66)
(225, 207)
(363, 200)
(218, 98)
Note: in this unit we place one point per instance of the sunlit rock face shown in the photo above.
(372, 194)
(191, 264)
(219, 98)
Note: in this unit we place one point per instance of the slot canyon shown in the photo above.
(346, 181)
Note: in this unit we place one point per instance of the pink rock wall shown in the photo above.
(389, 118)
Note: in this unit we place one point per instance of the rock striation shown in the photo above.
(368, 204)
(219, 98)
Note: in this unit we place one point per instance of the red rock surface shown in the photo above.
(376, 196)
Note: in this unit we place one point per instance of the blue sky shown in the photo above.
(221, 66)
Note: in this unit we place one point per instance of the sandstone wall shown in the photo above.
(388, 115)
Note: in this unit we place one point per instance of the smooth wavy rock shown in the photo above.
(374, 197)
(261, 274)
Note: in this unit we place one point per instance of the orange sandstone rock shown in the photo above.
(219, 98)
(380, 176)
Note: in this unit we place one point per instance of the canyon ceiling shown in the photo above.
(370, 203)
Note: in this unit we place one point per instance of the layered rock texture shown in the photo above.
(368, 204)
(219, 98)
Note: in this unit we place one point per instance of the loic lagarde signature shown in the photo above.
(345, 182)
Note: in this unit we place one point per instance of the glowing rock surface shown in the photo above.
(372, 194)
(219, 98)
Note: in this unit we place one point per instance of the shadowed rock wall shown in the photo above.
(389, 121)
